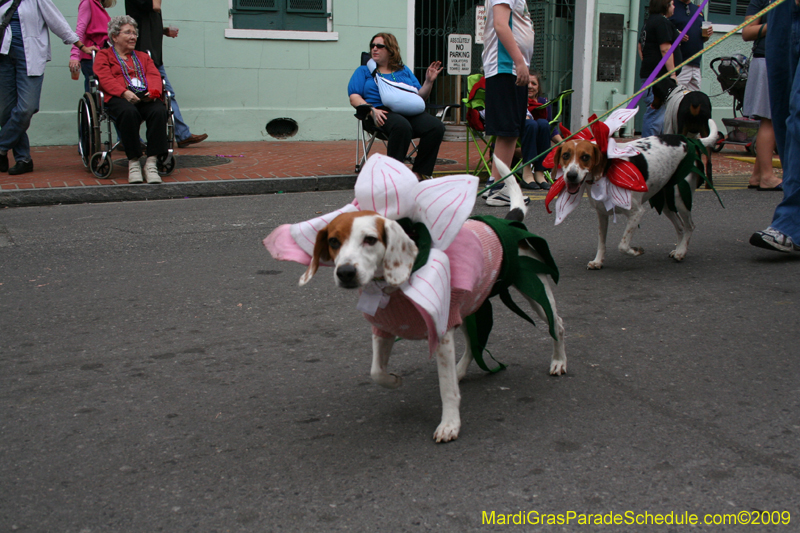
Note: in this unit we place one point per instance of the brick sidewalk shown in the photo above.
(60, 175)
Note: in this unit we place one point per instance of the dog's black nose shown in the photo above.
(572, 175)
(346, 274)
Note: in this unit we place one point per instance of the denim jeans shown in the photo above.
(535, 140)
(181, 129)
(783, 55)
(653, 119)
(19, 101)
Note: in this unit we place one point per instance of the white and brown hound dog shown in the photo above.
(658, 159)
(364, 246)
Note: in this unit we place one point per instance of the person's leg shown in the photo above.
(763, 173)
(155, 116)
(398, 131)
(127, 119)
(783, 53)
(88, 73)
(430, 131)
(653, 120)
(181, 129)
(19, 102)
(787, 214)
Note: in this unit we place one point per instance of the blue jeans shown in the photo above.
(535, 140)
(181, 129)
(653, 119)
(783, 55)
(19, 101)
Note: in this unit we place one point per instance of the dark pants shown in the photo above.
(399, 131)
(535, 140)
(128, 117)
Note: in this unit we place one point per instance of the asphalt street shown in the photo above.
(159, 371)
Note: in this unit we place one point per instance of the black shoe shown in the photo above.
(21, 167)
(4, 163)
(532, 185)
(545, 185)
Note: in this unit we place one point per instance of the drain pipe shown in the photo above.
(633, 39)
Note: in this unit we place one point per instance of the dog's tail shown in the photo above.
(512, 189)
(711, 140)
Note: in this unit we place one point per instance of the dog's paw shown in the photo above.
(447, 431)
(389, 381)
(634, 251)
(558, 367)
(594, 265)
(677, 256)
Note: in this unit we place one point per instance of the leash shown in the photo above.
(637, 95)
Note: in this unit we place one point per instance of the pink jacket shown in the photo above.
(475, 256)
(92, 27)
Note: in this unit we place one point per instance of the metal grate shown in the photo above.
(306, 6)
(255, 5)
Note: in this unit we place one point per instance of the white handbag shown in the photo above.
(399, 97)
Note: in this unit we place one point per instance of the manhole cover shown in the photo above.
(446, 161)
(187, 161)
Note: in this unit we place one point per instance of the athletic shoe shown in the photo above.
(134, 171)
(772, 239)
(151, 170)
(500, 199)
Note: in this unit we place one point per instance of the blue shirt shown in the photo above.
(680, 18)
(16, 31)
(363, 84)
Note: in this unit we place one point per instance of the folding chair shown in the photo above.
(475, 103)
(366, 132)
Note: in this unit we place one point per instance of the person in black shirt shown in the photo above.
(657, 37)
(147, 14)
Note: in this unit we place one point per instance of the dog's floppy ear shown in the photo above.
(400, 253)
(598, 162)
(557, 156)
(320, 252)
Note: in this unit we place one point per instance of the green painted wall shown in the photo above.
(231, 88)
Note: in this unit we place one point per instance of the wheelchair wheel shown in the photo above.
(100, 167)
(88, 128)
(166, 164)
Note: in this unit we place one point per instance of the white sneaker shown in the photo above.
(151, 170)
(134, 171)
(500, 198)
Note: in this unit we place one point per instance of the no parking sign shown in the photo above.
(459, 54)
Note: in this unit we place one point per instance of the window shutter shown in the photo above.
(306, 6)
(255, 5)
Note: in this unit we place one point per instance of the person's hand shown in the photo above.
(74, 65)
(131, 97)
(523, 76)
(706, 32)
(685, 38)
(92, 49)
(433, 71)
(171, 31)
(379, 116)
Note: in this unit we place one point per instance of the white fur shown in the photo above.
(374, 260)
(662, 161)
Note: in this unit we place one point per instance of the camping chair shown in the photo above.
(475, 103)
(366, 133)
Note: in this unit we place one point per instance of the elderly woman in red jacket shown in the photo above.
(132, 86)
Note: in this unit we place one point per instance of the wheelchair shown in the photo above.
(96, 133)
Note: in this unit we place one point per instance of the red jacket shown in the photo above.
(112, 82)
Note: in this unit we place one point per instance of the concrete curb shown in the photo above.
(166, 191)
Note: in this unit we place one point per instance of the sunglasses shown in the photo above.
(377, 45)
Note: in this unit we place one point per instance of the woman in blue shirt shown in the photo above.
(399, 129)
